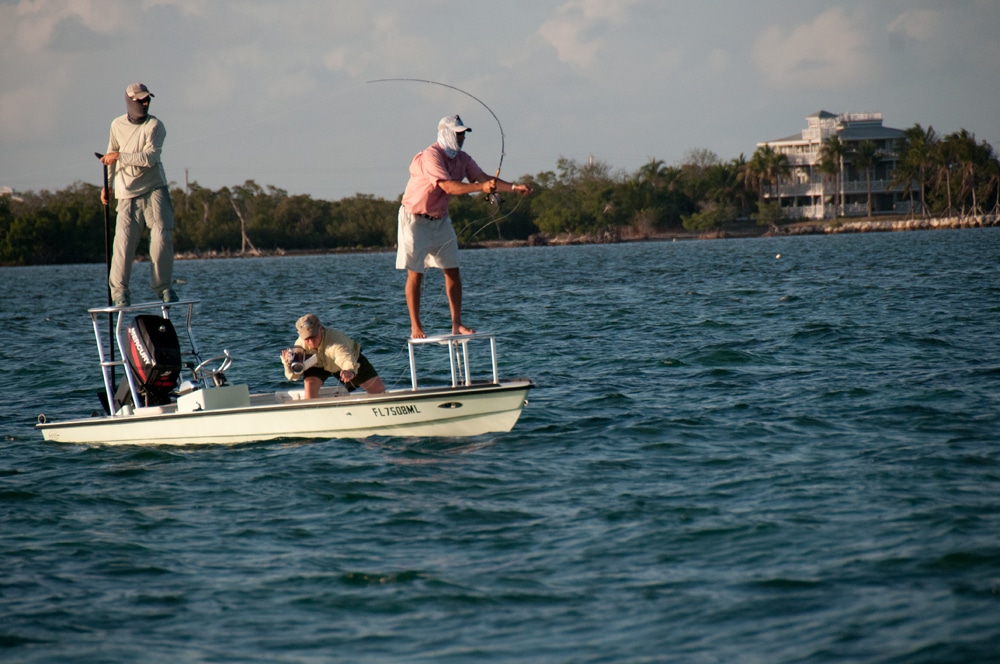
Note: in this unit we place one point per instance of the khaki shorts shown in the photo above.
(423, 242)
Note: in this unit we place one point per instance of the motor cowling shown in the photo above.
(154, 355)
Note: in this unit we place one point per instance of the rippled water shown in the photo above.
(731, 456)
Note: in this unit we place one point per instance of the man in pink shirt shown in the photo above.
(425, 235)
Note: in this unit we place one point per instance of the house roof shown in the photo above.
(853, 130)
(863, 133)
(794, 138)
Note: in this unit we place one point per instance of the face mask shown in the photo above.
(137, 111)
(448, 140)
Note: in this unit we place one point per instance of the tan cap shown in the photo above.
(138, 91)
(307, 326)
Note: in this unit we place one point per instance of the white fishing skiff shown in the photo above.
(206, 409)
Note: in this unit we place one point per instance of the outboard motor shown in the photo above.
(154, 354)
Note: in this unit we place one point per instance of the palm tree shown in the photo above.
(945, 160)
(767, 167)
(754, 178)
(920, 145)
(981, 155)
(779, 167)
(652, 172)
(992, 170)
(972, 163)
(771, 166)
(866, 157)
(724, 185)
(741, 172)
(904, 173)
(985, 160)
(831, 155)
(903, 176)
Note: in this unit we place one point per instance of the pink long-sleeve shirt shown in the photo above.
(427, 170)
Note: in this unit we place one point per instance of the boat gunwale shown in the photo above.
(507, 385)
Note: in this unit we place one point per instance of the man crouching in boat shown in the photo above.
(336, 355)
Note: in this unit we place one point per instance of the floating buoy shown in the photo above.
(777, 256)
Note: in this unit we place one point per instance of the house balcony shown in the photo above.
(811, 157)
(804, 158)
(828, 189)
(878, 187)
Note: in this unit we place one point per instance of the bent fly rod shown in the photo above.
(494, 198)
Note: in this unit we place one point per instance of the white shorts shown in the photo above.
(422, 242)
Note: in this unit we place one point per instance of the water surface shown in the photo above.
(730, 456)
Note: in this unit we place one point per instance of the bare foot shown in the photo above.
(461, 329)
(417, 333)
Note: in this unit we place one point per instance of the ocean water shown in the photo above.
(764, 450)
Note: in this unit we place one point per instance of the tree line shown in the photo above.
(946, 175)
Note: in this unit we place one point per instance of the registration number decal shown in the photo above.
(389, 411)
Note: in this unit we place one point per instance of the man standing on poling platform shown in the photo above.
(425, 236)
(140, 185)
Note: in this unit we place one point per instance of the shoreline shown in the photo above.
(750, 230)
(617, 236)
(889, 225)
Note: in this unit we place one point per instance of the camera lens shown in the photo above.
(296, 359)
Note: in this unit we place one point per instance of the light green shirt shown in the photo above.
(337, 352)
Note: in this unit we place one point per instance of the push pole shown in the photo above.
(107, 259)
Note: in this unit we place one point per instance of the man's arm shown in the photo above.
(149, 154)
(457, 187)
(487, 186)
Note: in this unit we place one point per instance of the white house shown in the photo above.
(810, 194)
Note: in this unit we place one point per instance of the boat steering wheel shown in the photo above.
(224, 362)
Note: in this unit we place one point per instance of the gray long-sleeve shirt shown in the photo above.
(138, 169)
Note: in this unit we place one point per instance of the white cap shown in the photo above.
(454, 123)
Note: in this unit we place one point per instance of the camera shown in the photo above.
(299, 359)
(296, 359)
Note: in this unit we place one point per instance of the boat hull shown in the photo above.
(447, 411)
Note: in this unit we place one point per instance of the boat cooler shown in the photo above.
(214, 398)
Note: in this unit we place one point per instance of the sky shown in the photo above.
(280, 92)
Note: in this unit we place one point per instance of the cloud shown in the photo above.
(573, 29)
(184, 7)
(256, 76)
(22, 117)
(42, 46)
(922, 24)
(337, 58)
(35, 22)
(830, 52)
(718, 61)
(918, 31)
